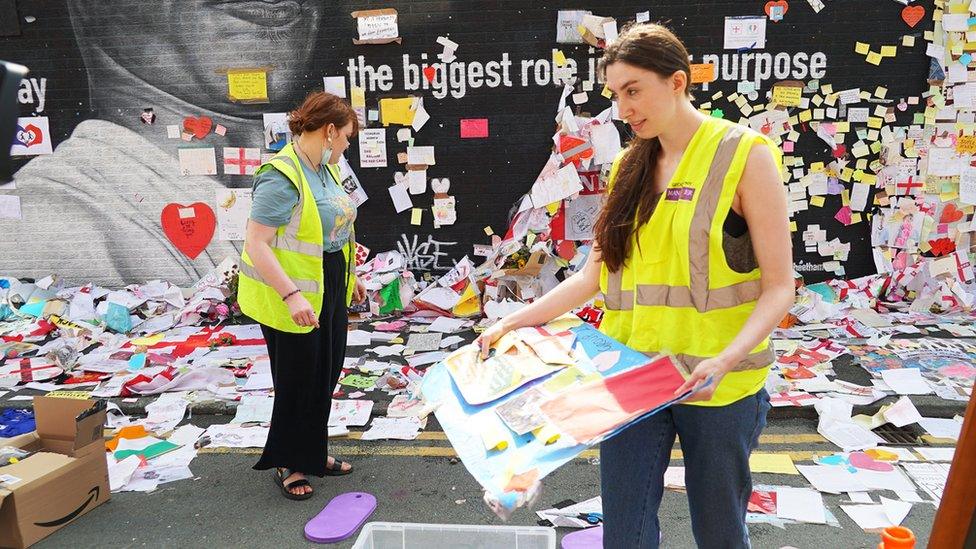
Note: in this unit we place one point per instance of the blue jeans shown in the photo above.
(715, 442)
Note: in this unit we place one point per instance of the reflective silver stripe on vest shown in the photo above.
(292, 244)
(754, 361)
(698, 295)
(296, 217)
(701, 221)
(615, 298)
(306, 286)
(680, 296)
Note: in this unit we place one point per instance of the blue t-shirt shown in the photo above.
(275, 198)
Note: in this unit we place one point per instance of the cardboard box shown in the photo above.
(65, 478)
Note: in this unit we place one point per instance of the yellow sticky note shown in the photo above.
(908, 41)
(606, 92)
(772, 463)
(889, 51)
(148, 341)
(817, 201)
(396, 111)
(488, 230)
(788, 96)
(806, 116)
(558, 57)
(247, 85)
(874, 58)
(861, 48)
(881, 92)
(357, 96)
(875, 122)
(855, 218)
(793, 226)
(416, 216)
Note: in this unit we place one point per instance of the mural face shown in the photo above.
(90, 211)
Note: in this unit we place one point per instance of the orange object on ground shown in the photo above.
(897, 537)
(132, 431)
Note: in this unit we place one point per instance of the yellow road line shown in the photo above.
(448, 452)
(763, 439)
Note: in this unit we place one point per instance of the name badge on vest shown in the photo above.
(676, 194)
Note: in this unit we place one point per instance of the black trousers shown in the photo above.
(305, 369)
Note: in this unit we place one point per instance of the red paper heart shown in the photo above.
(429, 73)
(912, 15)
(189, 228)
(942, 246)
(198, 126)
(776, 4)
(950, 214)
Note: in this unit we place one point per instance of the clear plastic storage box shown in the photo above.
(403, 535)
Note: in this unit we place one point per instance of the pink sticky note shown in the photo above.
(787, 146)
(844, 215)
(474, 128)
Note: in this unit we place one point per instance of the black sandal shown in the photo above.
(336, 470)
(279, 477)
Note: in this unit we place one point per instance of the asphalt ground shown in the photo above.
(227, 504)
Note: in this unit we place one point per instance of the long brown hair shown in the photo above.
(652, 47)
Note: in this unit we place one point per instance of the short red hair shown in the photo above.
(321, 109)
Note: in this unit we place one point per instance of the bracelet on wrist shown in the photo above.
(289, 294)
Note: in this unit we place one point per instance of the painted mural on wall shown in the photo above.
(144, 106)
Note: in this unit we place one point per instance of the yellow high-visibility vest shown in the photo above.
(298, 247)
(676, 292)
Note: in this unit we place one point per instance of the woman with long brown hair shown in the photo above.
(693, 258)
(297, 277)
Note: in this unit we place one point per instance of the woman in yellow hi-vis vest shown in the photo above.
(297, 276)
(693, 257)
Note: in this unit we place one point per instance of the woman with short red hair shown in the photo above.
(297, 278)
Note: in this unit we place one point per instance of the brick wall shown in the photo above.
(90, 211)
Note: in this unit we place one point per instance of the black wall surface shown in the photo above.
(182, 43)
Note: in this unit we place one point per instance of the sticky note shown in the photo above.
(606, 92)
(488, 230)
(908, 41)
(474, 128)
(416, 216)
(558, 57)
(881, 92)
(357, 96)
(788, 96)
(247, 85)
(817, 201)
(889, 51)
(702, 72)
(861, 48)
(874, 58)
(397, 111)
(772, 463)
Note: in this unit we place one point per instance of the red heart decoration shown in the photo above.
(912, 15)
(950, 214)
(776, 4)
(942, 246)
(189, 228)
(429, 73)
(198, 126)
